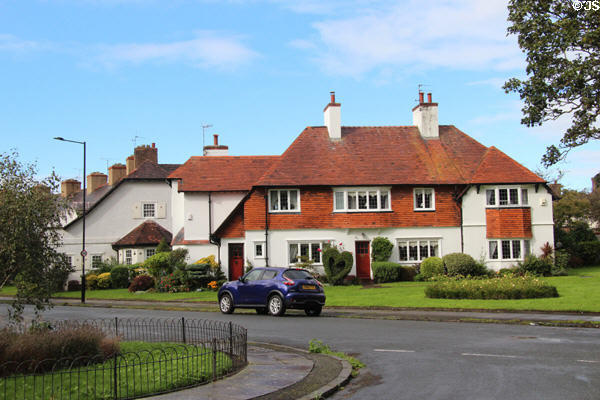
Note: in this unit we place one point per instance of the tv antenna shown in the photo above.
(107, 160)
(204, 128)
(421, 86)
(135, 138)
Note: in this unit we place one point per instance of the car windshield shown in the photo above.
(297, 274)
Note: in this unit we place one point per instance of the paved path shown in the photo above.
(268, 371)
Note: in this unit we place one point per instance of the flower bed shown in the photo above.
(504, 287)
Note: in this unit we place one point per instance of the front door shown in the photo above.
(236, 261)
(363, 260)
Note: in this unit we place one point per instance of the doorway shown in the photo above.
(363, 260)
(236, 261)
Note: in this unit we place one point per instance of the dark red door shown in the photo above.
(236, 261)
(363, 260)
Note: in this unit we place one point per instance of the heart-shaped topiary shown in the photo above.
(337, 265)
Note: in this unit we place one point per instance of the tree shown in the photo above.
(29, 235)
(562, 45)
(572, 206)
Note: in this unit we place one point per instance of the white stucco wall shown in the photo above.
(474, 222)
(196, 207)
(177, 207)
(112, 219)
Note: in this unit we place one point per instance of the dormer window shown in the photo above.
(506, 197)
(424, 199)
(284, 200)
(361, 199)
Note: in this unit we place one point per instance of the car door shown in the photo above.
(265, 285)
(247, 287)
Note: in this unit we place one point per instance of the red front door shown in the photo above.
(236, 261)
(363, 260)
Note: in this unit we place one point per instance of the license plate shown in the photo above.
(309, 287)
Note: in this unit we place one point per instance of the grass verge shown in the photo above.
(144, 368)
(317, 346)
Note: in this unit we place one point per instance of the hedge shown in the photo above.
(384, 271)
(504, 287)
(432, 266)
(462, 264)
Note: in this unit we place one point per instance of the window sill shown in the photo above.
(361, 211)
(424, 209)
(284, 212)
(502, 207)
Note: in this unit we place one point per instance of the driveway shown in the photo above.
(426, 360)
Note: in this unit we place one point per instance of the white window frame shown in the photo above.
(126, 256)
(153, 250)
(310, 243)
(92, 259)
(260, 245)
(288, 210)
(496, 190)
(154, 209)
(423, 189)
(355, 191)
(401, 241)
(512, 249)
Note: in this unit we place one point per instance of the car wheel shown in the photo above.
(226, 304)
(313, 311)
(276, 306)
(261, 311)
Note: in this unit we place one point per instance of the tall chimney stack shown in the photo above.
(425, 117)
(94, 181)
(116, 172)
(333, 118)
(130, 162)
(142, 154)
(69, 187)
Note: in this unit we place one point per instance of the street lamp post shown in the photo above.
(83, 250)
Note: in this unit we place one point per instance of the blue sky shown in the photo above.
(259, 71)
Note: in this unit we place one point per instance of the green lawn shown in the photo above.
(144, 368)
(580, 291)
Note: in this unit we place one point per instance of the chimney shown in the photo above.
(69, 187)
(94, 181)
(145, 153)
(216, 149)
(333, 118)
(130, 162)
(116, 172)
(425, 117)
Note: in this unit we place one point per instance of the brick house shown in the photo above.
(430, 189)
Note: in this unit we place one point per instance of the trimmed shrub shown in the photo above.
(141, 283)
(503, 287)
(104, 281)
(407, 274)
(462, 264)
(119, 277)
(561, 262)
(91, 281)
(381, 249)
(73, 285)
(588, 251)
(535, 266)
(386, 271)
(337, 265)
(432, 266)
(165, 263)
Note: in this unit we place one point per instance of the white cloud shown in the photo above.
(12, 43)
(458, 34)
(206, 50)
(496, 83)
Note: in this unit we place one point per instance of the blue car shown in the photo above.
(273, 290)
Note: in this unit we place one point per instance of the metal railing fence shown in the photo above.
(198, 351)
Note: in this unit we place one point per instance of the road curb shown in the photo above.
(330, 388)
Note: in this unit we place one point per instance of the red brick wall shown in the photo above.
(316, 204)
(508, 223)
(235, 226)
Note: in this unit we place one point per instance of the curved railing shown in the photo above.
(199, 351)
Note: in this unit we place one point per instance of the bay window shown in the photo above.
(508, 249)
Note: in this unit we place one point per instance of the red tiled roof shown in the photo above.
(147, 233)
(221, 173)
(497, 167)
(392, 155)
(179, 239)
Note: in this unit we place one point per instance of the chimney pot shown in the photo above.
(332, 94)
(153, 145)
(429, 98)
(421, 97)
(216, 139)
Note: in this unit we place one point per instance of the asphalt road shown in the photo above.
(426, 360)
